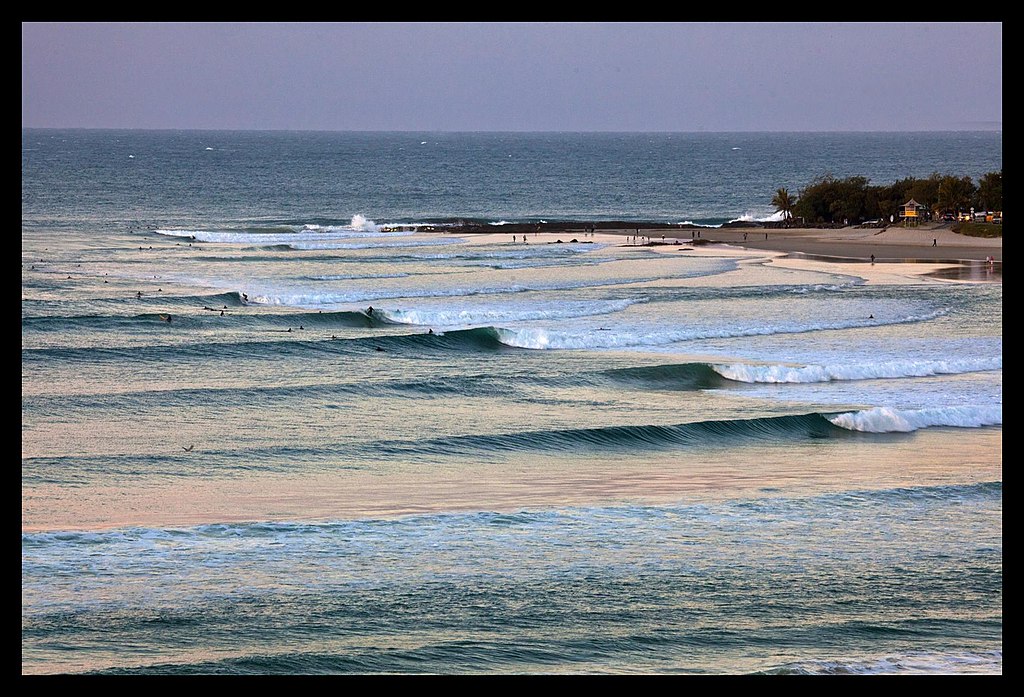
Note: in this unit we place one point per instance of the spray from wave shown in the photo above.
(888, 420)
(364, 224)
(865, 371)
(751, 218)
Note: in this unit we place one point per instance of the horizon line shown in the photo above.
(975, 129)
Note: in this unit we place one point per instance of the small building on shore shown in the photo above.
(912, 212)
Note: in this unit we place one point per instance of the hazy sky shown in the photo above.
(514, 77)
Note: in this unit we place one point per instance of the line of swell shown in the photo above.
(825, 503)
(298, 343)
(631, 438)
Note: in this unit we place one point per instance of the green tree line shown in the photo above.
(854, 199)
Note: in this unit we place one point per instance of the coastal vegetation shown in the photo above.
(977, 229)
(783, 203)
(854, 200)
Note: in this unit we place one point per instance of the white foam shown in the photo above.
(922, 663)
(357, 277)
(306, 297)
(862, 371)
(341, 231)
(690, 222)
(360, 222)
(752, 218)
(649, 337)
(377, 243)
(489, 315)
(817, 287)
(310, 298)
(309, 233)
(888, 420)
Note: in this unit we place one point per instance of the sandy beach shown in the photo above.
(934, 242)
(926, 243)
(900, 253)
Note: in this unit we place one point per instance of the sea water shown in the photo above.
(587, 457)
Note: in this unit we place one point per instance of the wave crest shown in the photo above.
(889, 420)
(863, 371)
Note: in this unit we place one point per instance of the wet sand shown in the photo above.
(939, 244)
(931, 242)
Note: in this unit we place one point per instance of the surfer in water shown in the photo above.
(369, 311)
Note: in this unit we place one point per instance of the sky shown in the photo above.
(679, 77)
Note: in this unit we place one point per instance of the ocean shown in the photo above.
(278, 417)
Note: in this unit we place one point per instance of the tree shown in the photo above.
(814, 204)
(990, 192)
(784, 203)
(925, 191)
(828, 199)
(849, 204)
(954, 194)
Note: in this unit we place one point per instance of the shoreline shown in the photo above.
(933, 243)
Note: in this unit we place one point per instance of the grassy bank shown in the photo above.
(978, 229)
